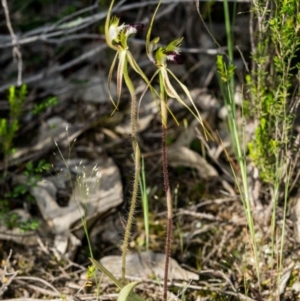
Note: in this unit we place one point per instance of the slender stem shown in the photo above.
(133, 122)
(165, 160)
(137, 156)
(131, 211)
(169, 208)
(164, 115)
(168, 242)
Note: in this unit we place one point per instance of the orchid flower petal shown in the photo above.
(171, 92)
(174, 46)
(149, 47)
(110, 78)
(175, 57)
(195, 112)
(122, 61)
(134, 28)
(130, 30)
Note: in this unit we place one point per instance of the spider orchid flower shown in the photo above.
(160, 56)
(116, 36)
(169, 53)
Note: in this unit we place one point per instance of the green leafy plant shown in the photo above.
(226, 83)
(41, 107)
(271, 103)
(32, 175)
(9, 126)
(13, 220)
(120, 285)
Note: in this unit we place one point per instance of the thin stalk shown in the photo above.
(164, 112)
(84, 216)
(137, 156)
(133, 106)
(225, 82)
(228, 93)
(283, 237)
(168, 242)
(131, 211)
(229, 35)
(169, 209)
(164, 154)
(144, 196)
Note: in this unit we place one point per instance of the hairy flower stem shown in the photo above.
(164, 113)
(169, 208)
(137, 156)
(165, 160)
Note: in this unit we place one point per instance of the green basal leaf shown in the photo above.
(126, 290)
(99, 266)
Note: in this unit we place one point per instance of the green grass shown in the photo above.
(271, 103)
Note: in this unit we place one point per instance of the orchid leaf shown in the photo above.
(100, 267)
(120, 285)
(126, 291)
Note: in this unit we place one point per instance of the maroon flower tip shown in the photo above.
(179, 60)
(175, 57)
(138, 26)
